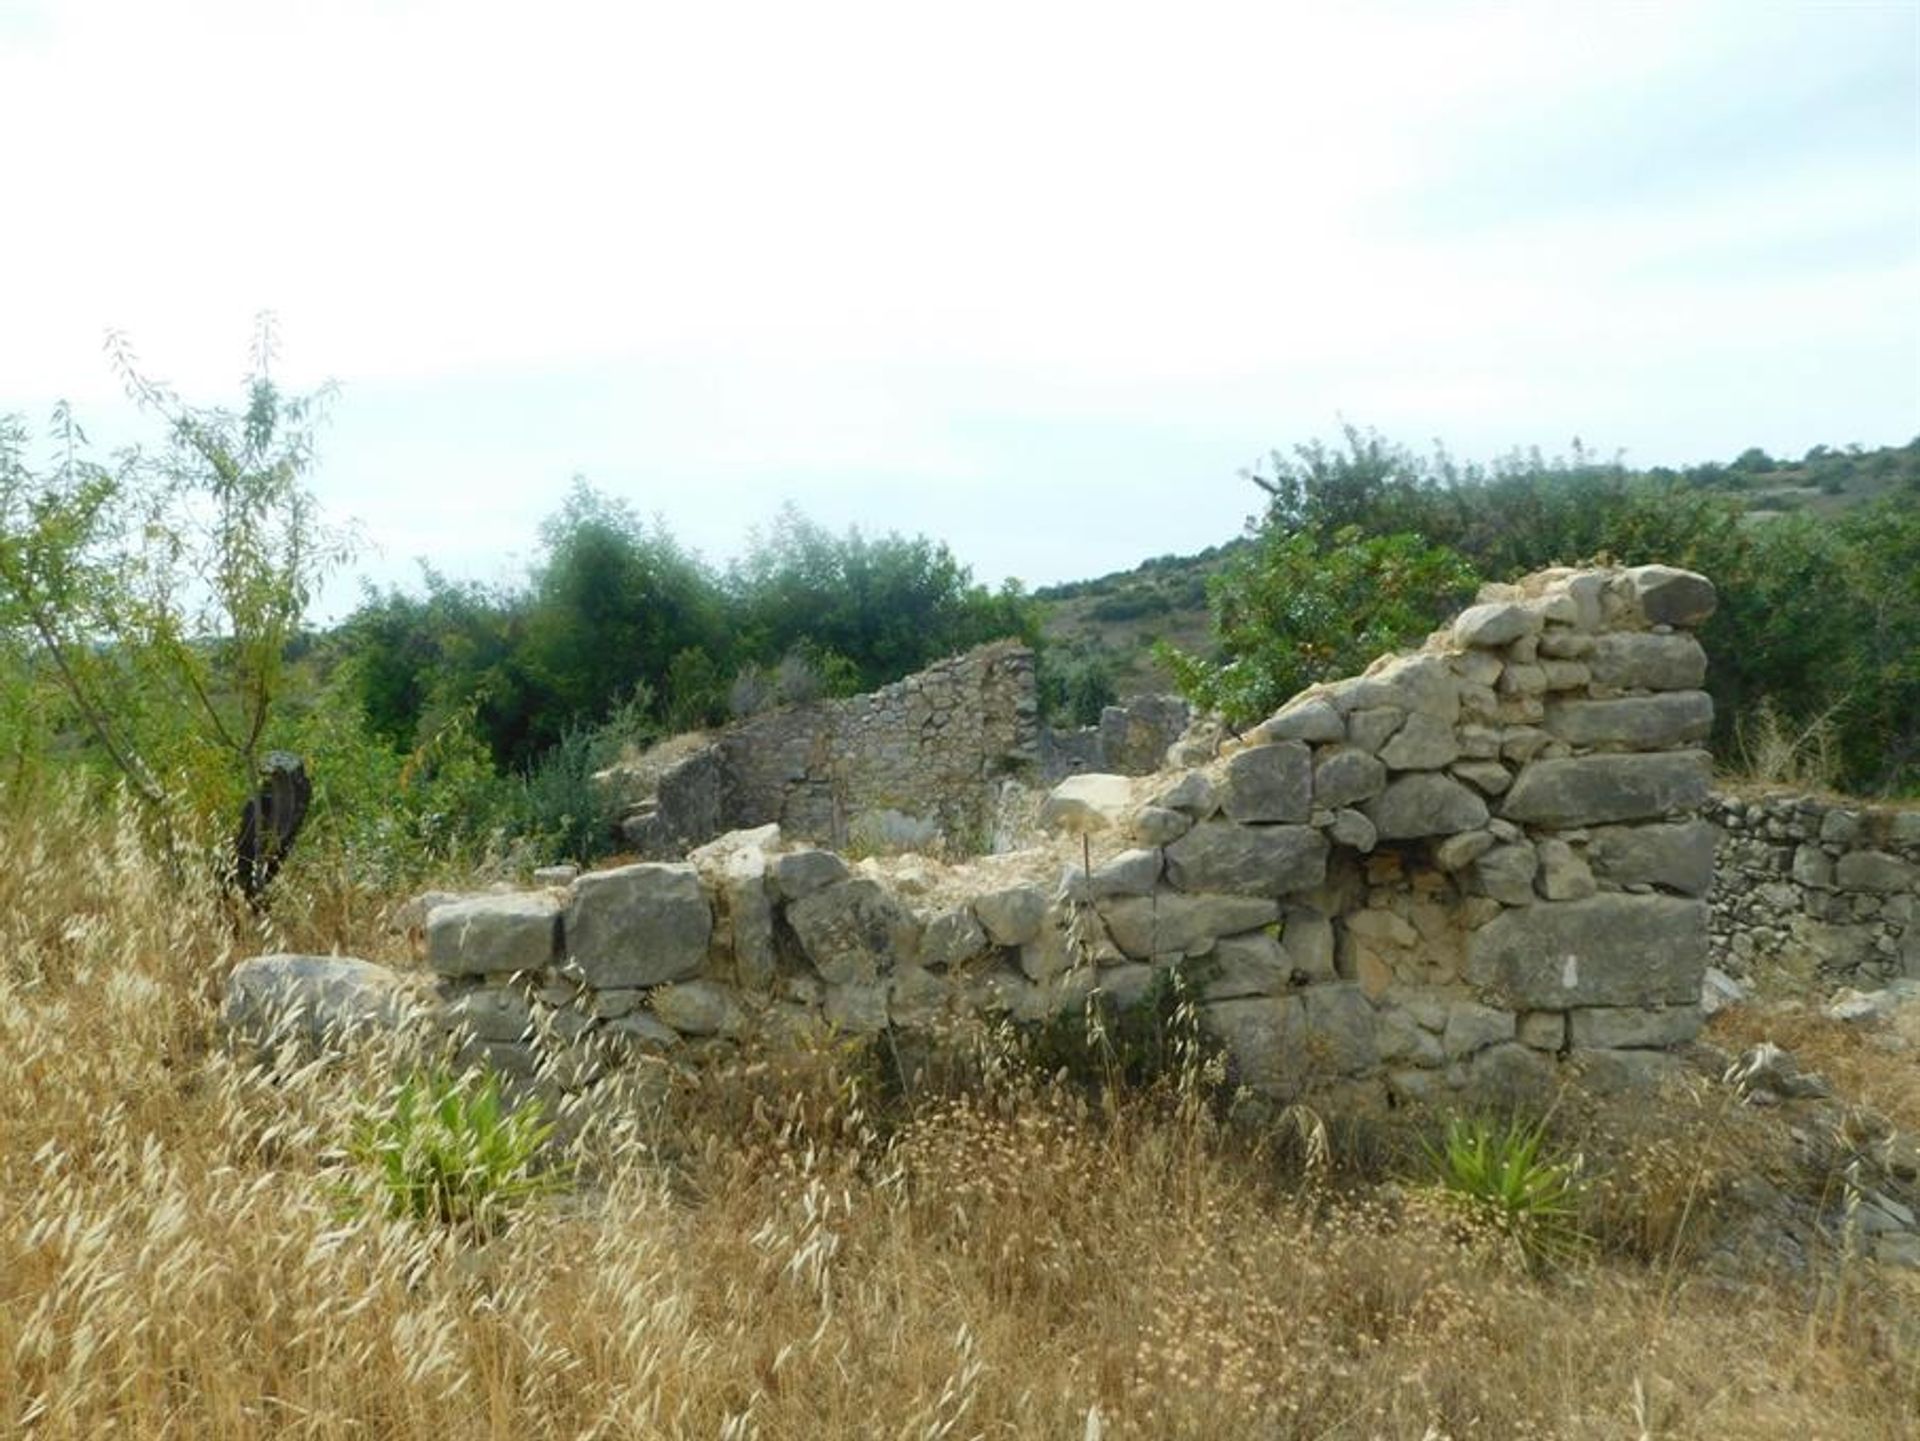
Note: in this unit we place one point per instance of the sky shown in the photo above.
(1041, 280)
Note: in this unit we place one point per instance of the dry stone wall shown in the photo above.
(1479, 867)
(1803, 879)
(906, 764)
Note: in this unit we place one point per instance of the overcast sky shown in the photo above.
(1038, 279)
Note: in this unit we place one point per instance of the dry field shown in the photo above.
(787, 1250)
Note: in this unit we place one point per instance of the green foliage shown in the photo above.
(162, 595)
(1075, 684)
(1302, 607)
(1106, 1047)
(446, 1150)
(1507, 1177)
(561, 807)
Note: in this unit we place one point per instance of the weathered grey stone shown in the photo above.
(1269, 783)
(489, 1013)
(1312, 720)
(1508, 874)
(1338, 1028)
(1247, 965)
(858, 1009)
(638, 925)
(640, 1032)
(1507, 1075)
(799, 874)
(1129, 984)
(1307, 937)
(1812, 867)
(1425, 804)
(1261, 1035)
(1456, 853)
(1672, 597)
(316, 1000)
(749, 912)
(1629, 1027)
(1424, 743)
(1542, 1030)
(951, 939)
(1493, 624)
(1488, 777)
(1351, 828)
(1219, 856)
(1012, 916)
(1131, 873)
(1592, 790)
(1473, 1027)
(698, 1008)
(853, 930)
(1653, 722)
(1194, 793)
(1344, 777)
(1423, 683)
(1609, 1073)
(1400, 1038)
(1566, 674)
(1370, 727)
(1159, 825)
(1873, 871)
(1676, 855)
(1523, 678)
(1607, 950)
(1564, 875)
(1087, 802)
(1635, 660)
(920, 998)
(1147, 926)
(492, 935)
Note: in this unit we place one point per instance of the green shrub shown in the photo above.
(1507, 1177)
(446, 1150)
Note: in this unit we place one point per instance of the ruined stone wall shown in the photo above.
(1474, 868)
(916, 759)
(1802, 880)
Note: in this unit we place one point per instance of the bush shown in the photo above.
(1507, 1178)
(446, 1150)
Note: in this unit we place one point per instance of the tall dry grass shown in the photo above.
(777, 1251)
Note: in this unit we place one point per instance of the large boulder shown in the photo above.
(1166, 924)
(1606, 950)
(316, 1000)
(1640, 660)
(638, 926)
(1672, 597)
(1088, 802)
(1593, 790)
(1269, 783)
(1676, 855)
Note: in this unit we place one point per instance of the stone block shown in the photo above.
(1012, 917)
(800, 873)
(1633, 1027)
(1345, 777)
(1425, 804)
(1594, 790)
(1494, 624)
(698, 1008)
(1637, 660)
(1874, 871)
(1668, 596)
(1472, 1027)
(1607, 950)
(1506, 873)
(1086, 803)
(1147, 926)
(1678, 856)
(952, 939)
(1641, 723)
(1269, 783)
(853, 930)
(1312, 720)
(638, 925)
(493, 935)
(315, 1000)
(1221, 857)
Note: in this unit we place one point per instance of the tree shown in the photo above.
(161, 593)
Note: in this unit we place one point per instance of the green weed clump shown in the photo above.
(447, 1150)
(1507, 1177)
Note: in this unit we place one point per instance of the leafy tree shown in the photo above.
(1300, 607)
(162, 593)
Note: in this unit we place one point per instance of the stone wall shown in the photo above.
(1799, 879)
(918, 759)
(1477, 867)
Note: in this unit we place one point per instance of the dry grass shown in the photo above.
(779, 1255)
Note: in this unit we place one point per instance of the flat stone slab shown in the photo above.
(494, 935)
(1607, 950)
(1594, 790)
(1642, 723)
(1167, 924)
(1221, 857)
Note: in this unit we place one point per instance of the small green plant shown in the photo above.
(1507, 1177)
(445, 1149)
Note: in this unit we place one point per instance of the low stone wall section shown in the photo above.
(1801, 878)
(1478, 867)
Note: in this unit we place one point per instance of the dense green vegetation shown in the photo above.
(153, 619)
(1819, 616)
